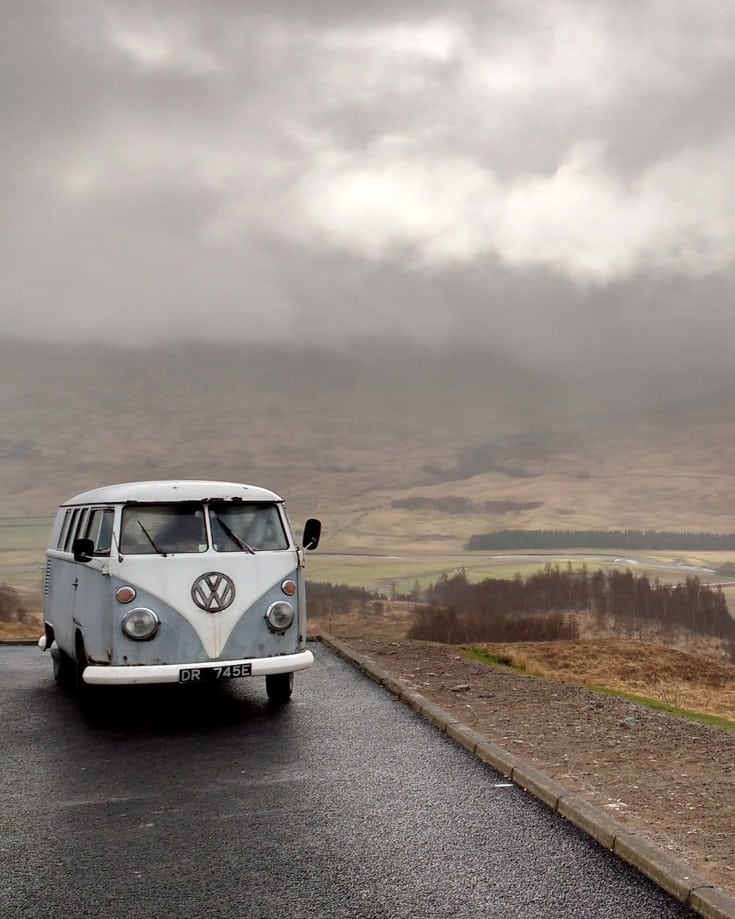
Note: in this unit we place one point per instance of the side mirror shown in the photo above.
(83, 550)
(312, 532)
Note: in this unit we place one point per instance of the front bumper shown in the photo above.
(139, 674)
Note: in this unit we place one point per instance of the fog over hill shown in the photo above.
(381, 441)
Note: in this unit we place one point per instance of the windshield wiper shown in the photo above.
(149, 538)
(236, 539)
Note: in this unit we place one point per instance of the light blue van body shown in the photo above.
(176, 581)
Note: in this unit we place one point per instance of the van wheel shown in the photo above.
(63, 666)
(83, 690)
(279, 687)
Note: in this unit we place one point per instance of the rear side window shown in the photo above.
(64, 529)
(81, 528)
(71, 530)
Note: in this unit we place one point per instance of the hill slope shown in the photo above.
(358, 437)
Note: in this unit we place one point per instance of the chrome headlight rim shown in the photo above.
(140, 614)
(279, 616)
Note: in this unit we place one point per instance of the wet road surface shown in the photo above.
(206, 802)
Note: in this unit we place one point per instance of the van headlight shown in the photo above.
(140, 624)
(279, 616)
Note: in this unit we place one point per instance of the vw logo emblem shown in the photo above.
(213, 592)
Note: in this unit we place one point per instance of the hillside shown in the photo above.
(393, 448)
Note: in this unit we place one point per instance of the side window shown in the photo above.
(69, 538)
(81, 527)
(99, 529)
(64, 529)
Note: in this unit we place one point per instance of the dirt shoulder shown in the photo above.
(668, 779)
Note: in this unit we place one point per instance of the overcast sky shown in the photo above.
(554, 179)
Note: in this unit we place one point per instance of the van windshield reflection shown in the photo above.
(149, 529)
(246, 527)
(171, 529)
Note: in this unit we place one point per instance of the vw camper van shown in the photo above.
(176, 582)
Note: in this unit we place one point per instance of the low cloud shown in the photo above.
(581, 220)
(547, 178)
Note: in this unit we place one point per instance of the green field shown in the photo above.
(24, 533)
(22, 545)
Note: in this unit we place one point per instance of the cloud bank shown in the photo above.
(416, 172)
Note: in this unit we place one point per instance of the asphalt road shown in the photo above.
(180, 802)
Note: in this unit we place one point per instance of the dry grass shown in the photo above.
(684, 680)
(30, 627)
(391, 622)
(695, 675)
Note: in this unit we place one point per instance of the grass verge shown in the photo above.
(712, 721)
(496, 660)
(507, 661)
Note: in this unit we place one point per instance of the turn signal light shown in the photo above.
(124, 594)
(289, 587)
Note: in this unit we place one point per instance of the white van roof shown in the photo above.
(172, 490)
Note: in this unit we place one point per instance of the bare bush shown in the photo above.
(325, 599)
(450, 626)
(12, 608)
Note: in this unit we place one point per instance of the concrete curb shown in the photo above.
(669, 873)
(20, 641)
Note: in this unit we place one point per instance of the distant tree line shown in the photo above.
(541, 606)
(601, 539)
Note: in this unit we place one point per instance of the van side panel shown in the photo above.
(93, 603)
(59, 600)
(79, 598)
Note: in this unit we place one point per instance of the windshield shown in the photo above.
(240, 527)
(160, 529)
(163, 529)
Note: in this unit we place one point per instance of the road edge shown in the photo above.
(671, 874)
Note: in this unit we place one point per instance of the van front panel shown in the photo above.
(177, 587)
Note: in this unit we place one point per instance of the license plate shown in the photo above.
(205, 674)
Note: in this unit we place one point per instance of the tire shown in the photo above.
(64, 667)
(84, 692)
(279, 687)
(90, 698)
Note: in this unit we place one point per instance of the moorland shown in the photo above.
(397, 449)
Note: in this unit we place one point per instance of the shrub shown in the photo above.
(450, 626)
(325, 599)
(11, 605)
